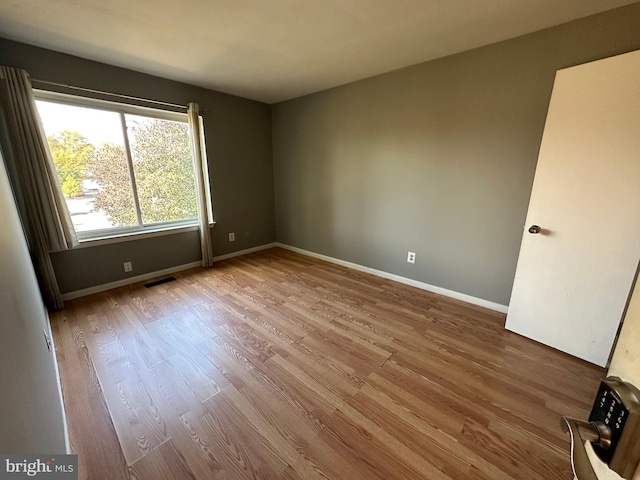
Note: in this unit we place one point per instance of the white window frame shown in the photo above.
(135, 232)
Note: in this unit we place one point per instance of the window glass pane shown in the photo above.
(87, 147)
(163, 168)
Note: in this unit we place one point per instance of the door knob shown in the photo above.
(534, 229)
(595, 432)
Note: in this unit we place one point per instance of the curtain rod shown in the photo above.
(146, 100)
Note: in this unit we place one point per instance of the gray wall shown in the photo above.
(31, 414)
(437, 158)
(238, 137)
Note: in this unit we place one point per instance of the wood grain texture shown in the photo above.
(275, 365)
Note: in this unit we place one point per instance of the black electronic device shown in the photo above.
(613, 430)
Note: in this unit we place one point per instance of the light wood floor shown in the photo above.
(277, 365)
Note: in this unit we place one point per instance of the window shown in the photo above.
(122, 169)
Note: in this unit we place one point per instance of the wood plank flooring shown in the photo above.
(275, 365)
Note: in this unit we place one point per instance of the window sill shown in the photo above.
(128, 237)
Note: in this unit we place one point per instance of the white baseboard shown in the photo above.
(245, 251)
(379, 273)
(127, 281)
(158, 273)
(56, 366)
(407, 281)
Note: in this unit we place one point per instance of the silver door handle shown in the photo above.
(594, 432)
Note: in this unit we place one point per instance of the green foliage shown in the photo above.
(163, 169)
(71, 186)
(161, 155)
(111, 173)
(72, 155)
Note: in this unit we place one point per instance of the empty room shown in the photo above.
(320, 240)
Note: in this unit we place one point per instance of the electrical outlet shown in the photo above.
(128, 267)
(411, 257)
(232, 237)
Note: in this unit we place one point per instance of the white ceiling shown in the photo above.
(274, 50)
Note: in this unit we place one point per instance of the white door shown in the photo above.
(574, 277)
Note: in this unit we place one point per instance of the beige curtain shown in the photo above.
(202, 183)
(44, 213)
